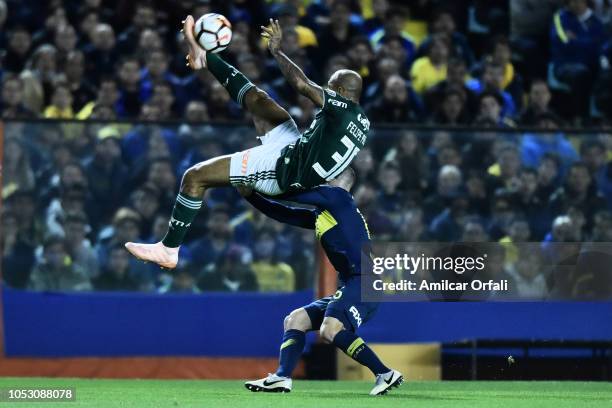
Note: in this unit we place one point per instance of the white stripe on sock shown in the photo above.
(242, 91)
(187, 204)
(190, 201)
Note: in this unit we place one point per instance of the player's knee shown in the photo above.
(287, 323)
(191, 176)
(329, 330)
(257, 96)
(297, 320)
(195, 176)
(327, 333)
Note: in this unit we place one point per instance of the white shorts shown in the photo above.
(256, 167)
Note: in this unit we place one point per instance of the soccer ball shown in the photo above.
(213, 32)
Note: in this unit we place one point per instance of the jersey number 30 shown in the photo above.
(341, 160)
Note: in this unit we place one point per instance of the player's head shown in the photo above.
(345, 180)
(347, 83)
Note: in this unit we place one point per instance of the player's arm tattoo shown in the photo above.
(298, 80)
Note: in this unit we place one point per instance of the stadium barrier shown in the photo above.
(97, 326)
(40, 324)
(141, 335)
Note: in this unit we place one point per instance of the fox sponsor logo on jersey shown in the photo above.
(356, 315)
(339, 104)
(331, 93)
(365, 122)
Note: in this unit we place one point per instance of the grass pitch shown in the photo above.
(313, 394)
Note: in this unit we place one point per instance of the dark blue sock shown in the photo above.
(356, 348)
(290, 351)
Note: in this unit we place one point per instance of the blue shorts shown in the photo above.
(345, 305)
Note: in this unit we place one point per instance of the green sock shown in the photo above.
(185, 210)
(233, 80)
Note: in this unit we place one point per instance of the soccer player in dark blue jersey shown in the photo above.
(344, 236)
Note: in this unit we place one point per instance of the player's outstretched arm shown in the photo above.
(294, 74)
(299, 217)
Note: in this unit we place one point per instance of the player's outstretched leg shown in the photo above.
(269, 114)
(211, 173)
(296, 325)
(333, 331)
(265, 110)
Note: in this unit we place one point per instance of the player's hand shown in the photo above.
(244, 191)
(274, 35)
(196, 59)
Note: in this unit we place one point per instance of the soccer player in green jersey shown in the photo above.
(286, 160)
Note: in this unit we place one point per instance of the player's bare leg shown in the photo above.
(333, 331)
(207, 174)
(267, 113)
(198, 178)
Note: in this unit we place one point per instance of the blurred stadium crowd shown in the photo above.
(74, 192)
(454, 62)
